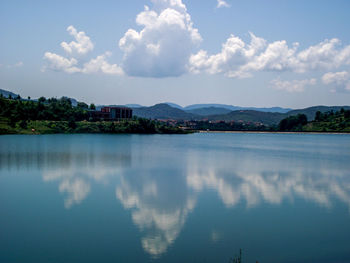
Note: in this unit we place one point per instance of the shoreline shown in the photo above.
(185, 133)
(277, 132)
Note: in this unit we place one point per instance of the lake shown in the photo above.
(175, 198)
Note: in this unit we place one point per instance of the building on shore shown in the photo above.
(111, 114)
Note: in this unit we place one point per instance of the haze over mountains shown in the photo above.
(215, 112)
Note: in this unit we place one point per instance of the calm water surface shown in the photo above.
(175, 198)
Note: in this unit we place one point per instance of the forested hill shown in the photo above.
(163, 111)
(311, 111)
(267, 118)
(330, 121)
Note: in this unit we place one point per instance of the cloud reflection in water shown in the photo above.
(159, 205)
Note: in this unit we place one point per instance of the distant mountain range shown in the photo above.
(165, 111)
(214, 112)
(233, 108)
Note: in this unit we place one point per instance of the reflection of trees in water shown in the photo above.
(160, 205)
(59, 160)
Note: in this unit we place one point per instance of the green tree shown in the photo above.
(82, 105)
(293, 123)
(92, 106)
(42, 99)
(318, 116)
(23, 124)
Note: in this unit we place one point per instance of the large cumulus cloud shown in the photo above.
(164, 45)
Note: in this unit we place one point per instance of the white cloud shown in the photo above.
(59, 63)
(338, 80)
(234, 54)
(292, 86)
(239, 60)
(16, 65)
(82, 45)
(96, 65)
(222, 3)
(163, 47)
(99, 64)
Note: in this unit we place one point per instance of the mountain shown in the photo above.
(174, 105)
(163, 111)
(6, 93)
(133, 105)
(311, 111)
(271, 109)
(234, 108)
(209, 111)
(267, 118)
(273, 118)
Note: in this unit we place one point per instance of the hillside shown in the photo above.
(209, 111)
(311, 111)
(6, 93)
(330, 121)
(267, 118)
(234, 108)
(163, 111)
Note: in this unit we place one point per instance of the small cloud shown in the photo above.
(222, 3)
(340, 81)
(292, 86)
(17, 65)
(81, 46)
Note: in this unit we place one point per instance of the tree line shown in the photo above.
(324, 121)
(60, 116)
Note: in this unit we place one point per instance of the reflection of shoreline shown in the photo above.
(35, 160)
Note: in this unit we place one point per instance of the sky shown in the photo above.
(287, 53)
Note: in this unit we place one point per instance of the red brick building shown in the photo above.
(111, 113)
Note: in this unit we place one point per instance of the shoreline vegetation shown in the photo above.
(52, 116)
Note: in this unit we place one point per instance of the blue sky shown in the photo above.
(187, 52)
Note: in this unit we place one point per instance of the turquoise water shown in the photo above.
(175, 198)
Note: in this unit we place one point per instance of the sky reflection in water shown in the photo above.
(159, 179)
